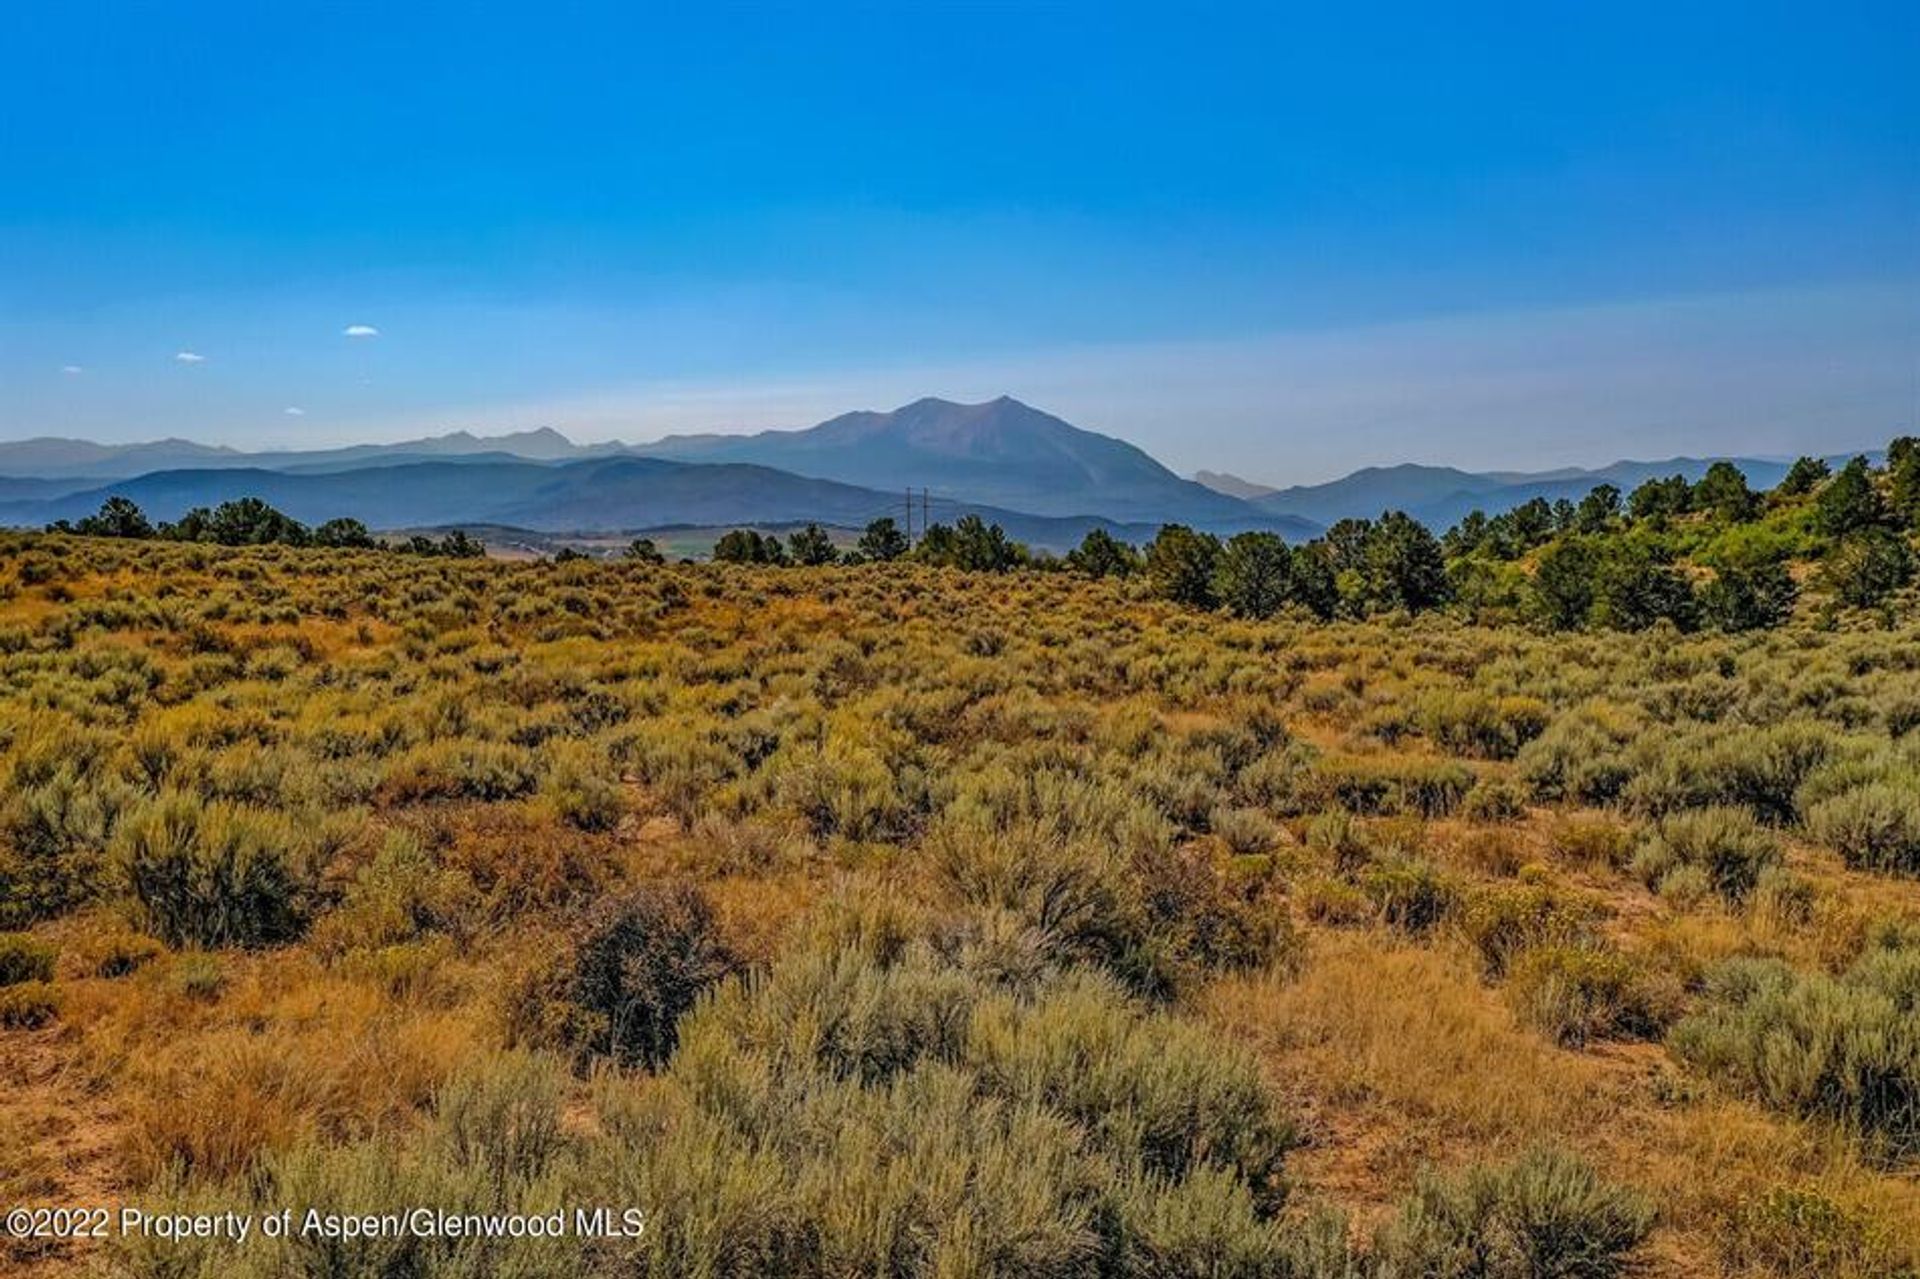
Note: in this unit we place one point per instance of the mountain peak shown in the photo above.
(999, 452)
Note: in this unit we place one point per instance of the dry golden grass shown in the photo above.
(474, 755)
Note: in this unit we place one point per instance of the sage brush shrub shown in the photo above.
(1547, 1215)
(1725, 845)
(1386, 784)
(1581, 757)
(1503, 921)
(1874, 827)
(1761, 770)
(53, 839)
(214, 874)
(1495, 800)
(1577, 993)
(1793, 1231)
(640, 963)
(1482, 726)
(24, 958)
(491, 1144)
(29, 1005)
(1409, 893)
(1844, 1049)
(1159, 918)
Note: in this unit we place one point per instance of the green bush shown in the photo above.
(1874, 827)
(583, 792)
(1495, 800)
(125, 954)
(1596, 843)
(1724, 844)
(1791, 1231)
(1501, 922)
(1374, 785)
(54, 831)
(461, 769)
(1581, 757)
(1548, 1215)
(1482, 726)
(492, 1145)
(1845, 1049)
(199, 976)
(1409, 893)
(29, 1005)
(214, 874)
(1577, 993)
(24, 958)
(640, 963)
(1157, 918)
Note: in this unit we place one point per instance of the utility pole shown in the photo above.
(926, 520)
(909, 515)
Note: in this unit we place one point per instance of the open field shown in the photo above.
(902, 920)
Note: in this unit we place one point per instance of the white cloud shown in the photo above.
(71, 370)
(189, 357)
(360, 331)
(295, 412)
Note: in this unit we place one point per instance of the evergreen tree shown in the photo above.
(1660, 499)
(937, 546)
(1253, 574)
(1314, 587)
(1101, 554)
(882, 540)
(1566, 581)
(190, 527)
(343, 533)
(1865, 567)
(1465, 537)
(248, 521)
(1723, 491)
(1803, 477)
(1903, 471)
(1404, 565)
(1598, 509)
(117, 517)
(746, 546)
(1531, 523)
(1346, 545)
(642, 550)
(1636, 590)
(811, 546)
(1748, 599)
(1849, 502)
(981, 547)
(1180, 563)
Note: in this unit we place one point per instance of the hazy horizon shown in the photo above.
(1270, 244)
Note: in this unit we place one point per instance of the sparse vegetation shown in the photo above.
(932, 911)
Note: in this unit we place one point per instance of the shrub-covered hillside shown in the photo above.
(892, 919)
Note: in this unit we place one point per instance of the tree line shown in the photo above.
(1708, 553)
(1711, 553)
(249, 521)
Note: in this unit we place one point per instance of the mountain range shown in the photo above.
(1046, 481)
(1003, 452)
(597, 495)
(1438, 496)
(1043, 480)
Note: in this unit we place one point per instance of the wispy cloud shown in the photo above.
(360, 331)
(291, 411)
(189, 357)
(72, 370)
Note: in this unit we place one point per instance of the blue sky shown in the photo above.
(1283, 241)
